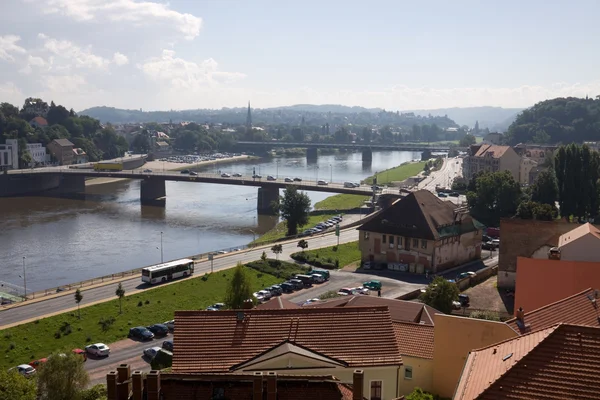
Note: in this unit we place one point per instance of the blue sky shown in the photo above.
(398, 55)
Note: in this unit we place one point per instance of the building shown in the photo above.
(419, 233)
(157, 385)
(580, 244)
(36, 107)
(541, 154)
(491, 158)
(415, 341)
(493, 138)
(303, 341)
(79, 156)
(527, 165)
(560, 362)
(62, 151)
(38, 153)
(39, 122)
(9, 154)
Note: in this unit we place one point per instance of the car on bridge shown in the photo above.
(296, 179)
(225, 175)
(185, 171)
(237, 175)
(271, 178)
(322, 183)
(193, 173)
(288, 180)
(256, 176)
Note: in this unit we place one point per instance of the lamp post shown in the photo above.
(161, 247)
(277, 174)
(330, 173)
(24, 279)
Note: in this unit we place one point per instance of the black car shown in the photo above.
(140, 333)
(487, 246)
(275, 290)
(168, 345)
(159, 329)
(454, 194)
(287, 287)
(185, 171)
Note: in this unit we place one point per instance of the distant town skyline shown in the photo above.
(390, 54)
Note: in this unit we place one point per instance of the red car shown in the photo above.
(82, 353)
(37, 363)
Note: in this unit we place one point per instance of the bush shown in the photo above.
(147, 302)
(329, 295)
(106, 323)
(486, 315)
(141, 304)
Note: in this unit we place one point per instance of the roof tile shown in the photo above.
(414, 340)
(493, 150)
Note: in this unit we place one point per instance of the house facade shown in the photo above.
(580, 244)
(493, 138)
(527, 165)
(38, 153)
(62, 151)
(9, 154)
(419, 233)
(491, 158)
(79, 156)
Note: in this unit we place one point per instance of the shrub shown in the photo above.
(334, 248)
(88, 339)
(205, 277)
(12, 345)
(337, 263)
(140, 303)
(147, 302)
(487, 315)
(106, 323)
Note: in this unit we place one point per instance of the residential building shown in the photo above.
(525, 168)
(419, 233)
(493, 138)
(541, 154)
(304, 341)
(491, 158)
(454, 337)
(39, 122)
(38, 153)
(9, 154)
(157, 385)
(560, 362)
(79, 156)
(62, 151)
(416, 348)
(580, 244)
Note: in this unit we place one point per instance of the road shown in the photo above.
(451, 169)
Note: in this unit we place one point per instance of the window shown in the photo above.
(407, 372)
(415, 243)
(376, 390)
(399, 242)
(366, 236)
(382, 238)
(391, 242)
(218, 394)
(423, 244)
(407, 243)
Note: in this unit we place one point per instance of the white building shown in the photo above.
(9, 154)
(38, 153)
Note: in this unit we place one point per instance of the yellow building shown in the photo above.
(416, 347)
(491, 158)
(421, 232)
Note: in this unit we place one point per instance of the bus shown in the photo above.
(168, 271)
(108, 166)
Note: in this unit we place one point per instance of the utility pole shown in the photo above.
(24, 279)
(161, 247)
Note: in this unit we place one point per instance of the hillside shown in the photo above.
(560, 120)
(494, 118)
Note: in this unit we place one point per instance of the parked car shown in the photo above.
(496, 243)
(266, 294)
(454, 194)
(158, 329)
(141, 333)
(287, 287)
(345, 292)
(98, 349)
(271, 178)
(296, 179)
(194, 173)
(81, 353)
(317, 278)
(298, 284)
(24, 369)
(237, 175)
(487, 246)
(442, 194)
(38, 363)
(288, 180)
(168, 344)
(215, 307)
(147, 170)
(360, 290)
(311, 301)
(322, 183)
(373, 285)
(464, 275)
(170, 324)
(225, 175)
(151, 352)
(275, 290)
(259, 297)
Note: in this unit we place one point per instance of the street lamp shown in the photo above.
(330, 173)
(161, 247)
(24, 280)
(277, 174)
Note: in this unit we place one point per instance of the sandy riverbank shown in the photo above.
(168, 166)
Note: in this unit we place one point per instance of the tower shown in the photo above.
(249, 119)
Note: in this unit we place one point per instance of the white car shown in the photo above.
(98, 349)
(265, 294)
(258, 296)
(24, 369)
(237, 175)
(318, 278)
(310, 301)
(225, 175)
(345, 292)
(271, 178)
(288, 180)
(151, 352)
(360, 290)
(322, 183)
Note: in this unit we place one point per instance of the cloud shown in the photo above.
(138, 12)
(9, 46)
(10, 92)
(37, 62)
(79, 57)
(64, 83)
(186, 75)
(120, 59)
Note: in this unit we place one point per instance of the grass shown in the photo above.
(27, 342)
(341, 202)
(280, 230)
(344, 254)
(279, 269)
(397, 174)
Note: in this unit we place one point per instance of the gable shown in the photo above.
(288, 356)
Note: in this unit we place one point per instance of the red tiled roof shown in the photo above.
(277, 303)
(494, 150)
(400, 310)
(41, 121)
(561, 362)
(218, 342)
(577, 233)
(414, 340)
(579, 309)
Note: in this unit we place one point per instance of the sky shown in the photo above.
(393, 54)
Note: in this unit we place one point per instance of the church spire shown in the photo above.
(249, 119)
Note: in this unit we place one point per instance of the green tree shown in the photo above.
(14, 386)
(526, 210)
(78, 298)
(497, 195)
(96, 392)
(545, 188)
(303, 244)
(239, 290)
(63, 377)
(467, 140)
(440, 294)
(277, 249)
(294, 208)
(419, 394)
(120, 293)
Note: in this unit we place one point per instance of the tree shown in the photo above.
(467, 140)
(440, 294)
(545, 188)
(63, 377)
(277, 249)
(303, 244)
(239, 290)
(15, 386)
(294, 208)
(533, 210)
(120, 293)
(78, 298)
(419, 394)
(497, 195)
(476, 129)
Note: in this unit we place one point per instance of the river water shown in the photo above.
(65, 241)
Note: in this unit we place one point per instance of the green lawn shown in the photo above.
(37, 339)
(280, 269)
(280, 229)
(345, 253)
(341, 202)
(398, 173)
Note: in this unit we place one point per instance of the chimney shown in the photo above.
(257, 386)
(111, 385)
(137, 380)
(520, 314)
(271, 385)
(153, 385)
(123, 373)
(123, 381)
(358, 382)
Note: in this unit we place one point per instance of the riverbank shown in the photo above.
(397, 174)
(157, 165)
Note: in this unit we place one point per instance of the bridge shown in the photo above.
(72, 181)
(367, 148)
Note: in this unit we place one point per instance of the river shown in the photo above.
(65, 241)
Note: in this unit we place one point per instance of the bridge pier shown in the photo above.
(152, 189)
(367, 156)
(265, 199)
(312, 153)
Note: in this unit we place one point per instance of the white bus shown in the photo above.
(168, 271)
